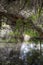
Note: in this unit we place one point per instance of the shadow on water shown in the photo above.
(27, 55)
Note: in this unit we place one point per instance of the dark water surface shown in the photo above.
(28, 54)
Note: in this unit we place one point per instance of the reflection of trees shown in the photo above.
(18, 22)
(33, 58)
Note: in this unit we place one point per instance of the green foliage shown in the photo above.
(28, 28)
(31, 33)
(18, 23)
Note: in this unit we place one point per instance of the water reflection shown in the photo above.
(25, 48)
(30, 53)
